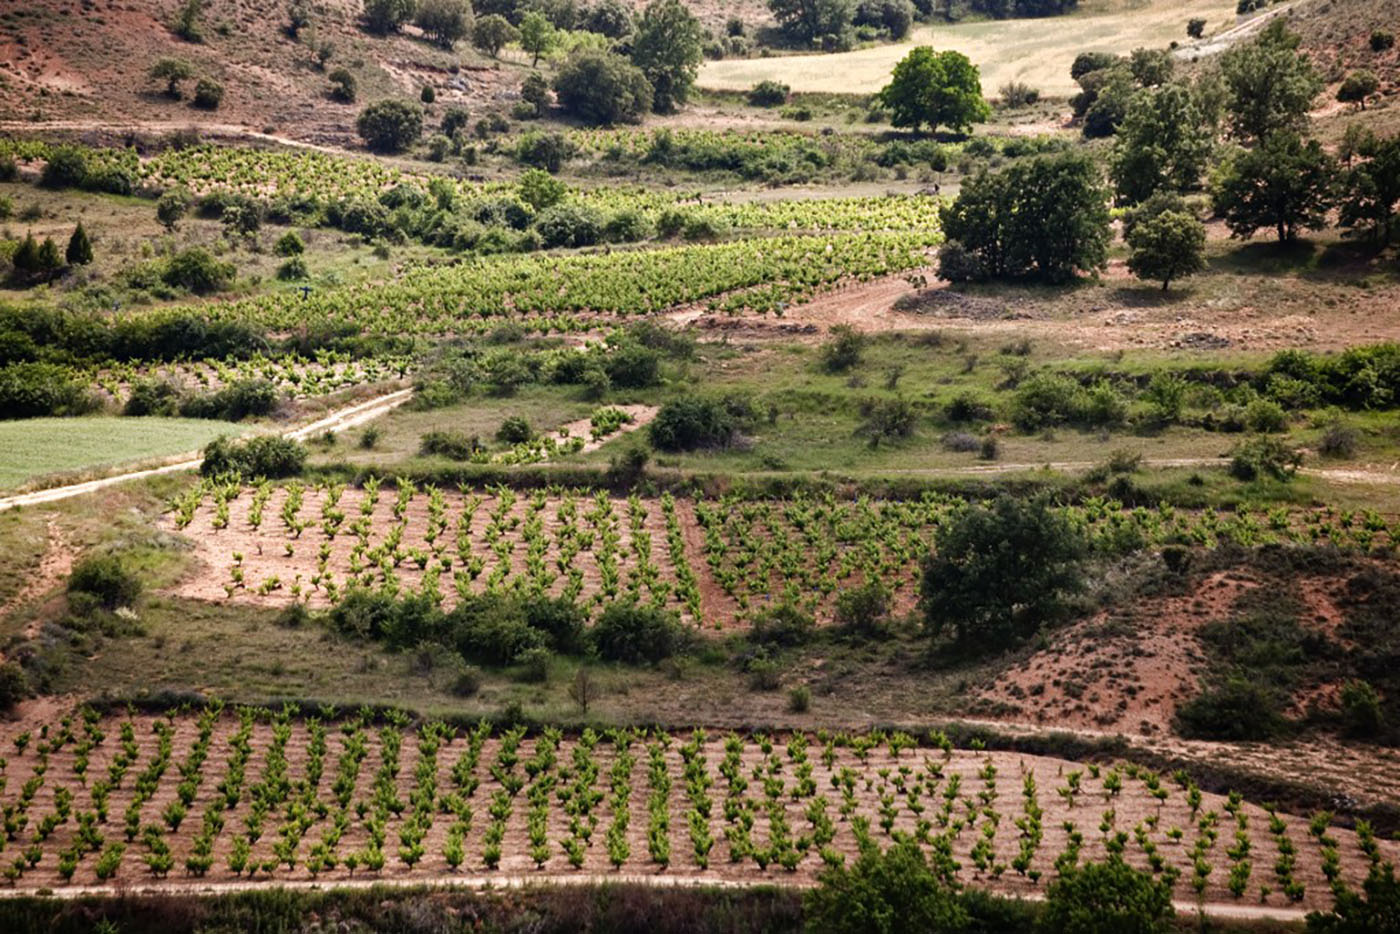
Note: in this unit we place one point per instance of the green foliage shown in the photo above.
(1045, 217)
(667, 47)
(603, 88)
(390, 125)
(998, 573)
(629, 632)
(782, 625)
(196, 269)
(842, 349)
(186, 24)
(885, 893)
(548, 151)
(172, 206)
(1381, 40)
(289, 244)
(1270, 84)
(1375, 908)
(1361, 709)
(1357, 86)
(208, 94)
(537, 36)
(534, 90)
(263, 456)
(79, 251)
(1107, 898)
(935, 88)
(1169, 246)
(106, 580)
(444, 21)
(570, 225)
(172, 71)
(514, 430)
(863, 610)
(1163, 143)
(387, 16)
(824, 23)
(342, 86)
(696, 422)
(768, 94)
(1239, 710)
(1371, 190)
(1284, 183)
(492, 33)
(14, 686)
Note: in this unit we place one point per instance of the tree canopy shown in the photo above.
(390, 125)
(1107, 898)
(935, 88)
(668, 47)
(1284, 183)
(1270, 85)
(885, 893)
(602, 88)
(1167, 246)
(1163, 143)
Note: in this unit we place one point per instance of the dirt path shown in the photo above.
(55, 565)
(1221, 41)
(345, 418)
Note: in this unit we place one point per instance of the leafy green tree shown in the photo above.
(208, 94)
(602, 88)
(534, 90)
(815, 22)
(390, 125)
(1371, 189)
(1374, 909)
(997, 573)
(196, 269)
(1284, 183)
(1169, 246)
(1107, 898)
(172, 206)
(668, 47)
(1270, 85)
(79, 252)
(611, 18)
(1105, 100)
(342, 85)
(187, 21)
(172, 71)
(937, 88)
(1358, 86)
(537, 36)
(1163, 143)
(540, 190)
(387, 16)
(493, 33)
(444, 21)
(289, 244)
(886, 893)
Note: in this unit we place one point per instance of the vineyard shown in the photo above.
(718, 561)
(323, 373)
(225, 795)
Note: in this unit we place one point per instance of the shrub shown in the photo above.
(293, 270)
(843, 348)
(602, 88)
(570, 225)
(690, 423)
(208, 94)
(1382, 39)
(1045, 399)
(1338, 440)
(79, 252)
(514, 430)
(233, 402)
(628, 632)
(884, 893)
(263, 456)
(1195, 27)
(343, 86)
(28, 390)
(1358, 86)
(289, 244)
(1361, 709)
(997, 573)
(1107, 898)
(1240, 710)
(444, 21)
(768, 94)
(386, 16)
(14, 686)
(1018, 94)
(106, 580)
(451, 444)
(799, 699)
(390, 125)
(863, 610)
(1264, 457)
(1265, 416)
(784, 624)
(196, 269)
(152, 397)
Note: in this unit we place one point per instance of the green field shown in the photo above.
(40, 447)
(1036, 51)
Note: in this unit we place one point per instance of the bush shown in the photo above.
(264, 456)
(1361, 709)
(196, 269)
(289, 244)
(444, 21)
(451, 444)
(1338, 440)
(885, 893)
(1107, 898)
(208, 94)
(1046, 399)
(843, 348)
(602, 88)
(390, 125)
(863, 610)
(570, 225)
(234, 402)
(1264, 457)
(768, 94)
(28, 390)
(690, 423)
(1240, 710)
(998, 573)
(1382, 39)
(784, 624)
(548, 151)
(152, 397)
(343, 86)
(1195, 27)
(514, 430)
(1265, 416)
(799, 699)
(386, 16)
(293, 270)
(1018, 94)
(14, 686)
(628, 632)
(106, 580)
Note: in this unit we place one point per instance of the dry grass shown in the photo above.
(1036, 51)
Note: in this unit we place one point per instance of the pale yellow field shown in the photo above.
(1036, 51)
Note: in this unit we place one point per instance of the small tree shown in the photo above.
(1358, 86)
(172, 71)
(342, 86)
(79, 252)
(540, 190)
(186, 24)
(1195, 27)
(937, 88)
(534, 90)
(1169, 246)
(602, 88)
(298, 16)
(492, 33)
(1269, 84)
(172, 206)
(1163, 143)
(390, 125)
(289, 244)
(583, 690)
(444, 21)
(1371, 190)
(886, 893)
(1285, 183)
(997, 573)
(387, 16)
(816, 22)
(537, 36)
(208, 94)
(668, 47)
(1107, 898)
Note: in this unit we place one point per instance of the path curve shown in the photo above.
(338, 421)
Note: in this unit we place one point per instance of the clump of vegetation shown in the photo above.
(262, 456)
(106, 580)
